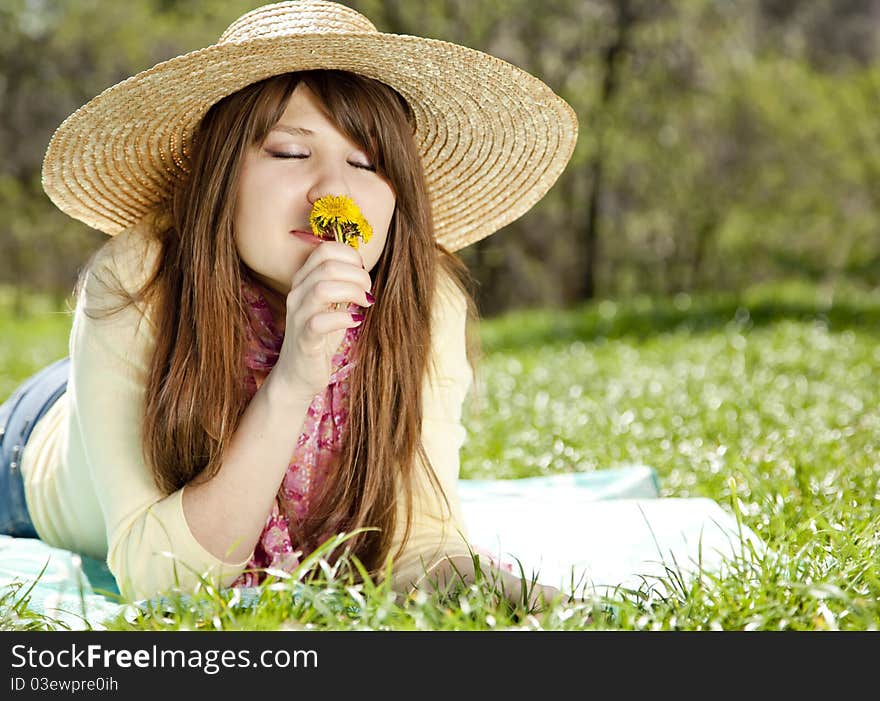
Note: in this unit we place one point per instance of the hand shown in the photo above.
(459, 570)
(334, 273)
(538, 596)
(544, 599)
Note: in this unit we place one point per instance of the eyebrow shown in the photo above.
(294, 131)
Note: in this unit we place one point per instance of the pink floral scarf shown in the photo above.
(318, 447)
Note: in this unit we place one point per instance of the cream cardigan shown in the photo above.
(87, 485)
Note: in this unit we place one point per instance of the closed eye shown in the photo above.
(277, 154)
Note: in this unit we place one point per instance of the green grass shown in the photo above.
(766, 402)
(28, 344)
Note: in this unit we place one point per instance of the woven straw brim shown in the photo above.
(493, 138)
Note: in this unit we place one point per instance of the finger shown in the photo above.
(323, 323)
(317, 285)
(544, 595)
(328, 251)
(325, 293)
(339, 270)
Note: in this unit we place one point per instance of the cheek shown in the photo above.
(249, 217)
(373, 250)
(383, 209)
(244, 205)
(384, 202)
(254, 193)
(257, 205)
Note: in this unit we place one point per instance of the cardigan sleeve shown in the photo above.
(438, 531)
(150, 547)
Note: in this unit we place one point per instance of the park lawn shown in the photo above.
(766, 402)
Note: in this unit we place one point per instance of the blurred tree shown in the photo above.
(55, 56)
(824, 31)
(626, 15)
(721, 141)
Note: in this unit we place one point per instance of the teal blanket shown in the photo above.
(608, 525)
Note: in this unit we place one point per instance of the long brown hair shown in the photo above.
(195, 395)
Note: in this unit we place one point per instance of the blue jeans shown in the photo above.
(18, 416)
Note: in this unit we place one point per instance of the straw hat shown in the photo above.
(493, 138)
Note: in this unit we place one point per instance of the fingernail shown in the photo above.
(370, 298)
(357, 316)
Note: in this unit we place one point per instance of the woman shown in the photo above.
(215, 336)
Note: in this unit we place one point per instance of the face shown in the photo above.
(303, 158)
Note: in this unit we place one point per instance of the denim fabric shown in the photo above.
(18, 416)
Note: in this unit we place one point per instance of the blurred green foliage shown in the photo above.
(738, 144)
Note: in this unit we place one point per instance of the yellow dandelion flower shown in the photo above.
(365, 229)
(339, 215)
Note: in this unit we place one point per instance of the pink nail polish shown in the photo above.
(357, 316)
(370, 298)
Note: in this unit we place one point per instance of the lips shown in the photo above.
(310, 236)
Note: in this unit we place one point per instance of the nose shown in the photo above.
(328, 178)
